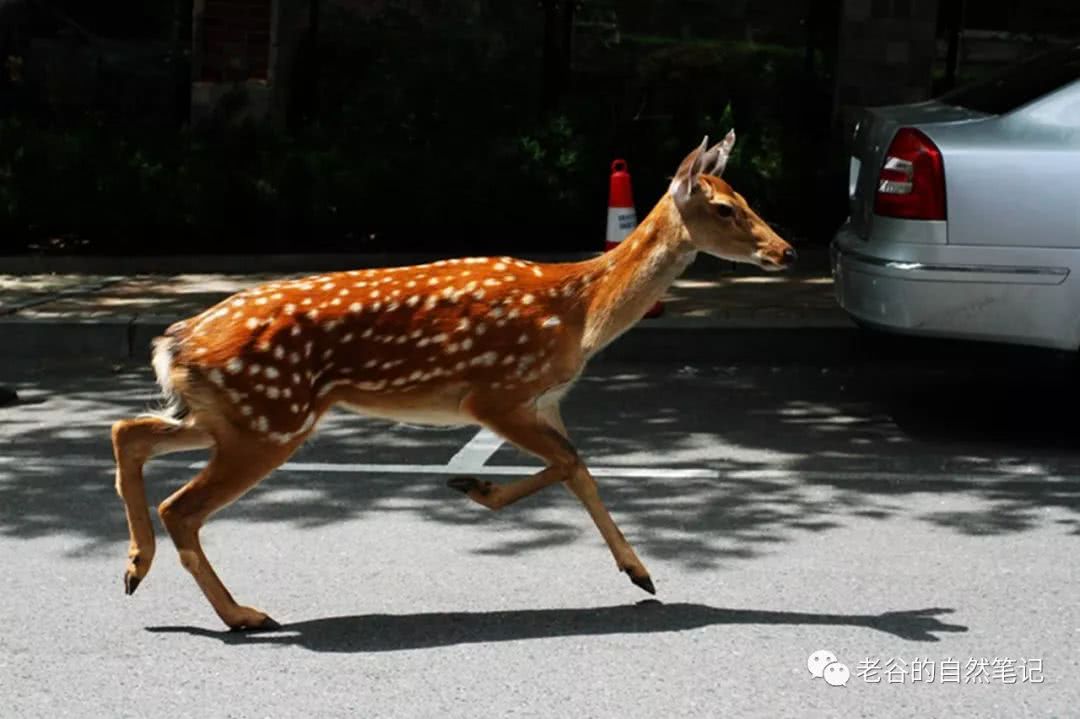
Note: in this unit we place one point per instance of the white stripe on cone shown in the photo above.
(621, 221)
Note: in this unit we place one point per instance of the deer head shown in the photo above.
(717, 218)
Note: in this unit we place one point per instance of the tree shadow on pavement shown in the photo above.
(398, 632)
(795, 449)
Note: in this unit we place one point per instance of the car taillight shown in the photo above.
(911, 183)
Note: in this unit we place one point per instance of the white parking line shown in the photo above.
(476, 452)
(349, 468)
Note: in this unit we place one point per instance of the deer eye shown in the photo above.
(724, 210)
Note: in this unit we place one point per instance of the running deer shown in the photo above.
(495, 342)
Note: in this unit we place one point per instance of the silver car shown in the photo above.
(965, 211)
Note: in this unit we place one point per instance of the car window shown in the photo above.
(1019, 84)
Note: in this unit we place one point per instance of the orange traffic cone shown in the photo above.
(621, 218)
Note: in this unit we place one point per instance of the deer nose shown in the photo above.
(789, 256)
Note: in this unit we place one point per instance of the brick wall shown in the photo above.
(235, 39)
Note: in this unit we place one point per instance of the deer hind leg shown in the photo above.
(237, 465)
(542, 433)
(134, 442)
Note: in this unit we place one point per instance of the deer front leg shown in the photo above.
(582, 484)
(542, 434)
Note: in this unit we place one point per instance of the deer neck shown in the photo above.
(634, 275)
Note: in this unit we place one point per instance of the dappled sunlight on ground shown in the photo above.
(796, 450)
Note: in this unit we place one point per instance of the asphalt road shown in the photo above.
(896, 512)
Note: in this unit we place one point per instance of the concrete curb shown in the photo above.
(230, 264)
(739, 339)
(811, 259)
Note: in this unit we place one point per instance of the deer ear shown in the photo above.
(715, 160)
(685, 180)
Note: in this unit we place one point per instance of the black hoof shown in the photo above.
(131, 583)
(643, 582)
(268, 625)
(468, 484)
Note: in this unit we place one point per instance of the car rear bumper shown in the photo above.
(999, 294)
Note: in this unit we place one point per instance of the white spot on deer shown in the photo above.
(259, 388)
(411, 283)
(308, 346)
(201, 351)
(467, 343)
(433, 281)
(489, 282)
(246, 410)
(431, 302)
(216, 377)
(346, 338)
(356, 308)
(500, 266)
(279, 352)
(294, 357)
(527, 299)
(366, 333)
(360, 284)
(536, 271)
(294, 408)
(260, 301)
(552, 321)
(286, 391)
(451, 348)
(254, 369)
(508, 360)
(235, 396)
(236, 315)
(487, 358)
(374, 294)
(271, 372)
(336, 301)
(459, 366)
(272, 392)
(251, 323)
(331, 325)
(392, 306)
(423, 342)
(413, 300)
(290, 309)
(417, 374)
(261, 424)
(306, 301)
(496, 312)
(234, 366)
(370, 363)
(509, 278)
(481, 328)
(523, 339)
(439, 338)
(312, 314)
(327, 354)
(376, 307)
(398, 381)
(237, 303)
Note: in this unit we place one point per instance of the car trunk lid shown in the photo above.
(870, 141)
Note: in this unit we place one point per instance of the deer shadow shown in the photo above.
(400, 632)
